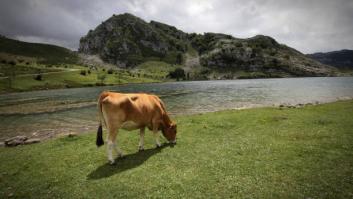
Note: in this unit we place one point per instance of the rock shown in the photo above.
(32, 141)
(15, 141)
(70, 135)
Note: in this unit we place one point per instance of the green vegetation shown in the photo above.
(155, 69)
(256, 153)
(44, 53)
(72, 76)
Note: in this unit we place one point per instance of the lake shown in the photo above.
(51, 112)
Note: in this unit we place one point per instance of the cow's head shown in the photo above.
(169, 132)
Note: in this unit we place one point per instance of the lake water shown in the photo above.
(47, 113)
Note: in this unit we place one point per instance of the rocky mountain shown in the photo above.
(342, 59)
(126, 41)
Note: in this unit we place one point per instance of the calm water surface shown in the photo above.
(46, 113)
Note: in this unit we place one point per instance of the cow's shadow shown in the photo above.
(127, 162)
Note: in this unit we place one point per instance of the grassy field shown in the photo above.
(256, 153)
(68, 77)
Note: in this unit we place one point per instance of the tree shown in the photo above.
(179, 59)
(101, 77)
(177, 74)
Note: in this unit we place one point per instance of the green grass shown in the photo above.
(255, 153)
(69, 79)
(156, 69)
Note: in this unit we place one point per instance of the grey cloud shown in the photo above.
(309, 26)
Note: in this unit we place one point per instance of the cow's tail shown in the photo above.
(99, 140)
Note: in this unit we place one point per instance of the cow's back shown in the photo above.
(120, 108)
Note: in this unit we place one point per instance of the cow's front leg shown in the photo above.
(142, 139)
(156, 137)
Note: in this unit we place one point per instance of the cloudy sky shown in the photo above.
(307, 25)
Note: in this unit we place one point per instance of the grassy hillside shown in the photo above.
(256, 153)
(43, 53)
(72, 76)
(21, 63)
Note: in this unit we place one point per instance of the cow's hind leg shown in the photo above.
(112, 145)
(142, 137)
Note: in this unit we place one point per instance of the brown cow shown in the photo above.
(132, 111)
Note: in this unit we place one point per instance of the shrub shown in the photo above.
(27, 63)
(179, 58)
(110, 71)
(239, 45)
(13, 63)
(177, 74)
(83, 72)
(38, 77)
(101, 77)
(89, 71)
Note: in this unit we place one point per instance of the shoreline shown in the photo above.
(55, 135)
(159, 82)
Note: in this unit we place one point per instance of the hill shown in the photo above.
(127, 41)
(342, 59)
(31, 66)
(43, 53)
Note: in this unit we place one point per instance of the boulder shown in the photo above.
(32, 141)
(15, 141)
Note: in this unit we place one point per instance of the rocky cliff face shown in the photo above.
(259, 53)
(126, 41)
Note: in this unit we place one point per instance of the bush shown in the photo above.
(83, 72)
(13, 63)
(27, 63)
(101, 78)
(110, 71)
(89, 71)
(38, 77)
(177, 74)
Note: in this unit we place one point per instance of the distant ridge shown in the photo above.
(45, 53)
(340, 59)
